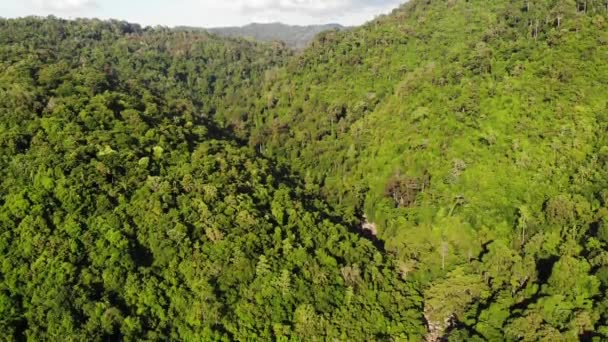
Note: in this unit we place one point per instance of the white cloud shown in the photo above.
(207, 13)
(317, 8)
(310, 6)
(64, 5)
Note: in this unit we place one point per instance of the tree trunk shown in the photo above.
(444, 252)
(523, 232)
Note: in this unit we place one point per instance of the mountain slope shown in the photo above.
(127, 214)
(469, 134)
(472, 134)
(292, 35)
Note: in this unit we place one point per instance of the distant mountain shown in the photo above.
(293, 36)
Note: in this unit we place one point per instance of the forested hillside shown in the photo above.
(167, 184)
(472, 133)
(127, 214)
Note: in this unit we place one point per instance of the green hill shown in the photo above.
(168, 184)
(127, 214)
(472, 133)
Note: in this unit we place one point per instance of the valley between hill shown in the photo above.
(438, 173)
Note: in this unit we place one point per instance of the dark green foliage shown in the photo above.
(159, 184)
(129, 210)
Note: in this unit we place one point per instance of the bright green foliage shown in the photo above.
(472, 133)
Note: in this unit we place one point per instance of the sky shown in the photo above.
(206, 13)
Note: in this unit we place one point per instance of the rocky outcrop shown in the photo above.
(369, 227)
